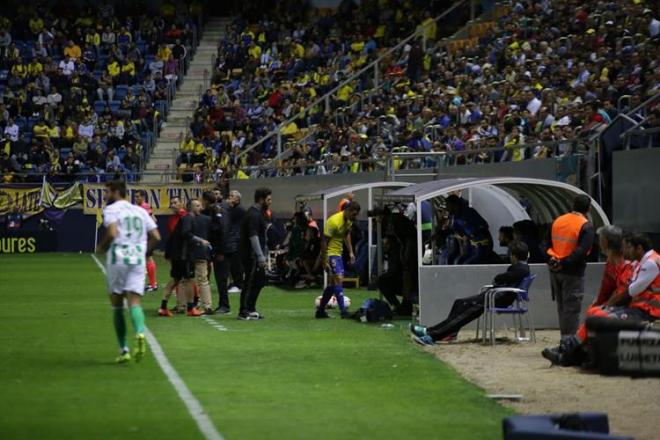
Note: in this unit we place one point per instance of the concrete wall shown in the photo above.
(439, 286)
(636, 190)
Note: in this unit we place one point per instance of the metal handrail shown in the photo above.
(374, 64)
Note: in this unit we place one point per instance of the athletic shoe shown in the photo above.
(149, 288)
(208, 311)
(140, 347)
(164, 312)
(124, 357)
(417, 330)
(302, 284)
(553, 355)
(194, 312)
(220, 310)
(423, 340)
(345, 314)
(244, 316)
(234, 289)
(321, 314)
(256, 315)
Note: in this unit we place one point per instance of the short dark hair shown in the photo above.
(453, 199)
(581, 203)
(142, 192)
(519, 249)
(639, 239)
(117, 185)
(353, 206)
(261, 194)
(208, 196)
(507, 230)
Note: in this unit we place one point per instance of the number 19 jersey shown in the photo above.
(125, 260)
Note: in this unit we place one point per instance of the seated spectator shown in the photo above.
(635, 295)
(466, 310)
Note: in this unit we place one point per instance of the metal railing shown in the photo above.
(648, 133)
(375, 65)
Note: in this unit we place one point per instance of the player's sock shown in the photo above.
(327, 294)
(151, 272)
(163, 304)
(137, 316)
(191, 306)
(120, 325)
(339, 295)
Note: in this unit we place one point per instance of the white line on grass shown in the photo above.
(195, 408)
(215, 324)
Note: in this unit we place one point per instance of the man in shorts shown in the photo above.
(336, 233)
(130, 234)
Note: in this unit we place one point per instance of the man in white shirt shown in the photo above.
(654, 25)
(11, 130)
(67, 65)
(86, 129)
(130, 233)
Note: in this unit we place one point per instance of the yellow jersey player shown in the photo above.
(336, 233)
(130, 233)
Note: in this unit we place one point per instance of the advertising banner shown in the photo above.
(158, 196)
(27, 242)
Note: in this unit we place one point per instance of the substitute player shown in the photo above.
(172, 285)
(130, 234)
(336, 233)
(141, 201)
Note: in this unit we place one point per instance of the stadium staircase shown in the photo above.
(161, 162)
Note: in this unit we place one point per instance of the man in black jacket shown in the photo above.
(181, 248)
(253, 253)
(466, 310)
(227, 258)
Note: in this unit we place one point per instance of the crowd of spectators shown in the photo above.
(83, 90)
(538, 73)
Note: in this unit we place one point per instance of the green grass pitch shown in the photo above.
(286, 377)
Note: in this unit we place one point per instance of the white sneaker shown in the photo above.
(234, 289)
(302, 284)
(255, 315)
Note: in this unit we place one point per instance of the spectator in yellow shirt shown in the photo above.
(73, 51)
(40, 130)
(127, 72)
(35, 68)
(254, 51)
(36, 25)
(114, 69)
(163, 53)
(19, 69)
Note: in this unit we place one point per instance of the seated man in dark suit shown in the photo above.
(466, 310)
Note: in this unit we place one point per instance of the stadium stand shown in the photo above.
(529, 80)
(85, 91)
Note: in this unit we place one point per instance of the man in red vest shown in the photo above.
(642, 297)
(572, 236)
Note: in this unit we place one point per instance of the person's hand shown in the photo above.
(326, 266)
(205, 243)
(351, 259)
(262, 263)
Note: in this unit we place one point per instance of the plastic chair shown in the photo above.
(516, 310)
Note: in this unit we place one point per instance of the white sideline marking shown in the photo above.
(195, 408)
(215, 324)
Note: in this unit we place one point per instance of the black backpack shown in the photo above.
(373, 310)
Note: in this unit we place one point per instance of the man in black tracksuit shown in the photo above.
(466, 310)
(253, 253)
(228, 257)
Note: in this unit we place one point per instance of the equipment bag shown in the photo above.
(373, 310)
(620, 347)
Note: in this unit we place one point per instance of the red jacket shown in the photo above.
(615, 281)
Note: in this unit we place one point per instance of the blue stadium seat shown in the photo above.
(99, 106)
(120, 92)
(114, 106)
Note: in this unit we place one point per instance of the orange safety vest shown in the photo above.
(649, 299)
(565, 234)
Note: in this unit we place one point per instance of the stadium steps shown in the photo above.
(162, 159)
